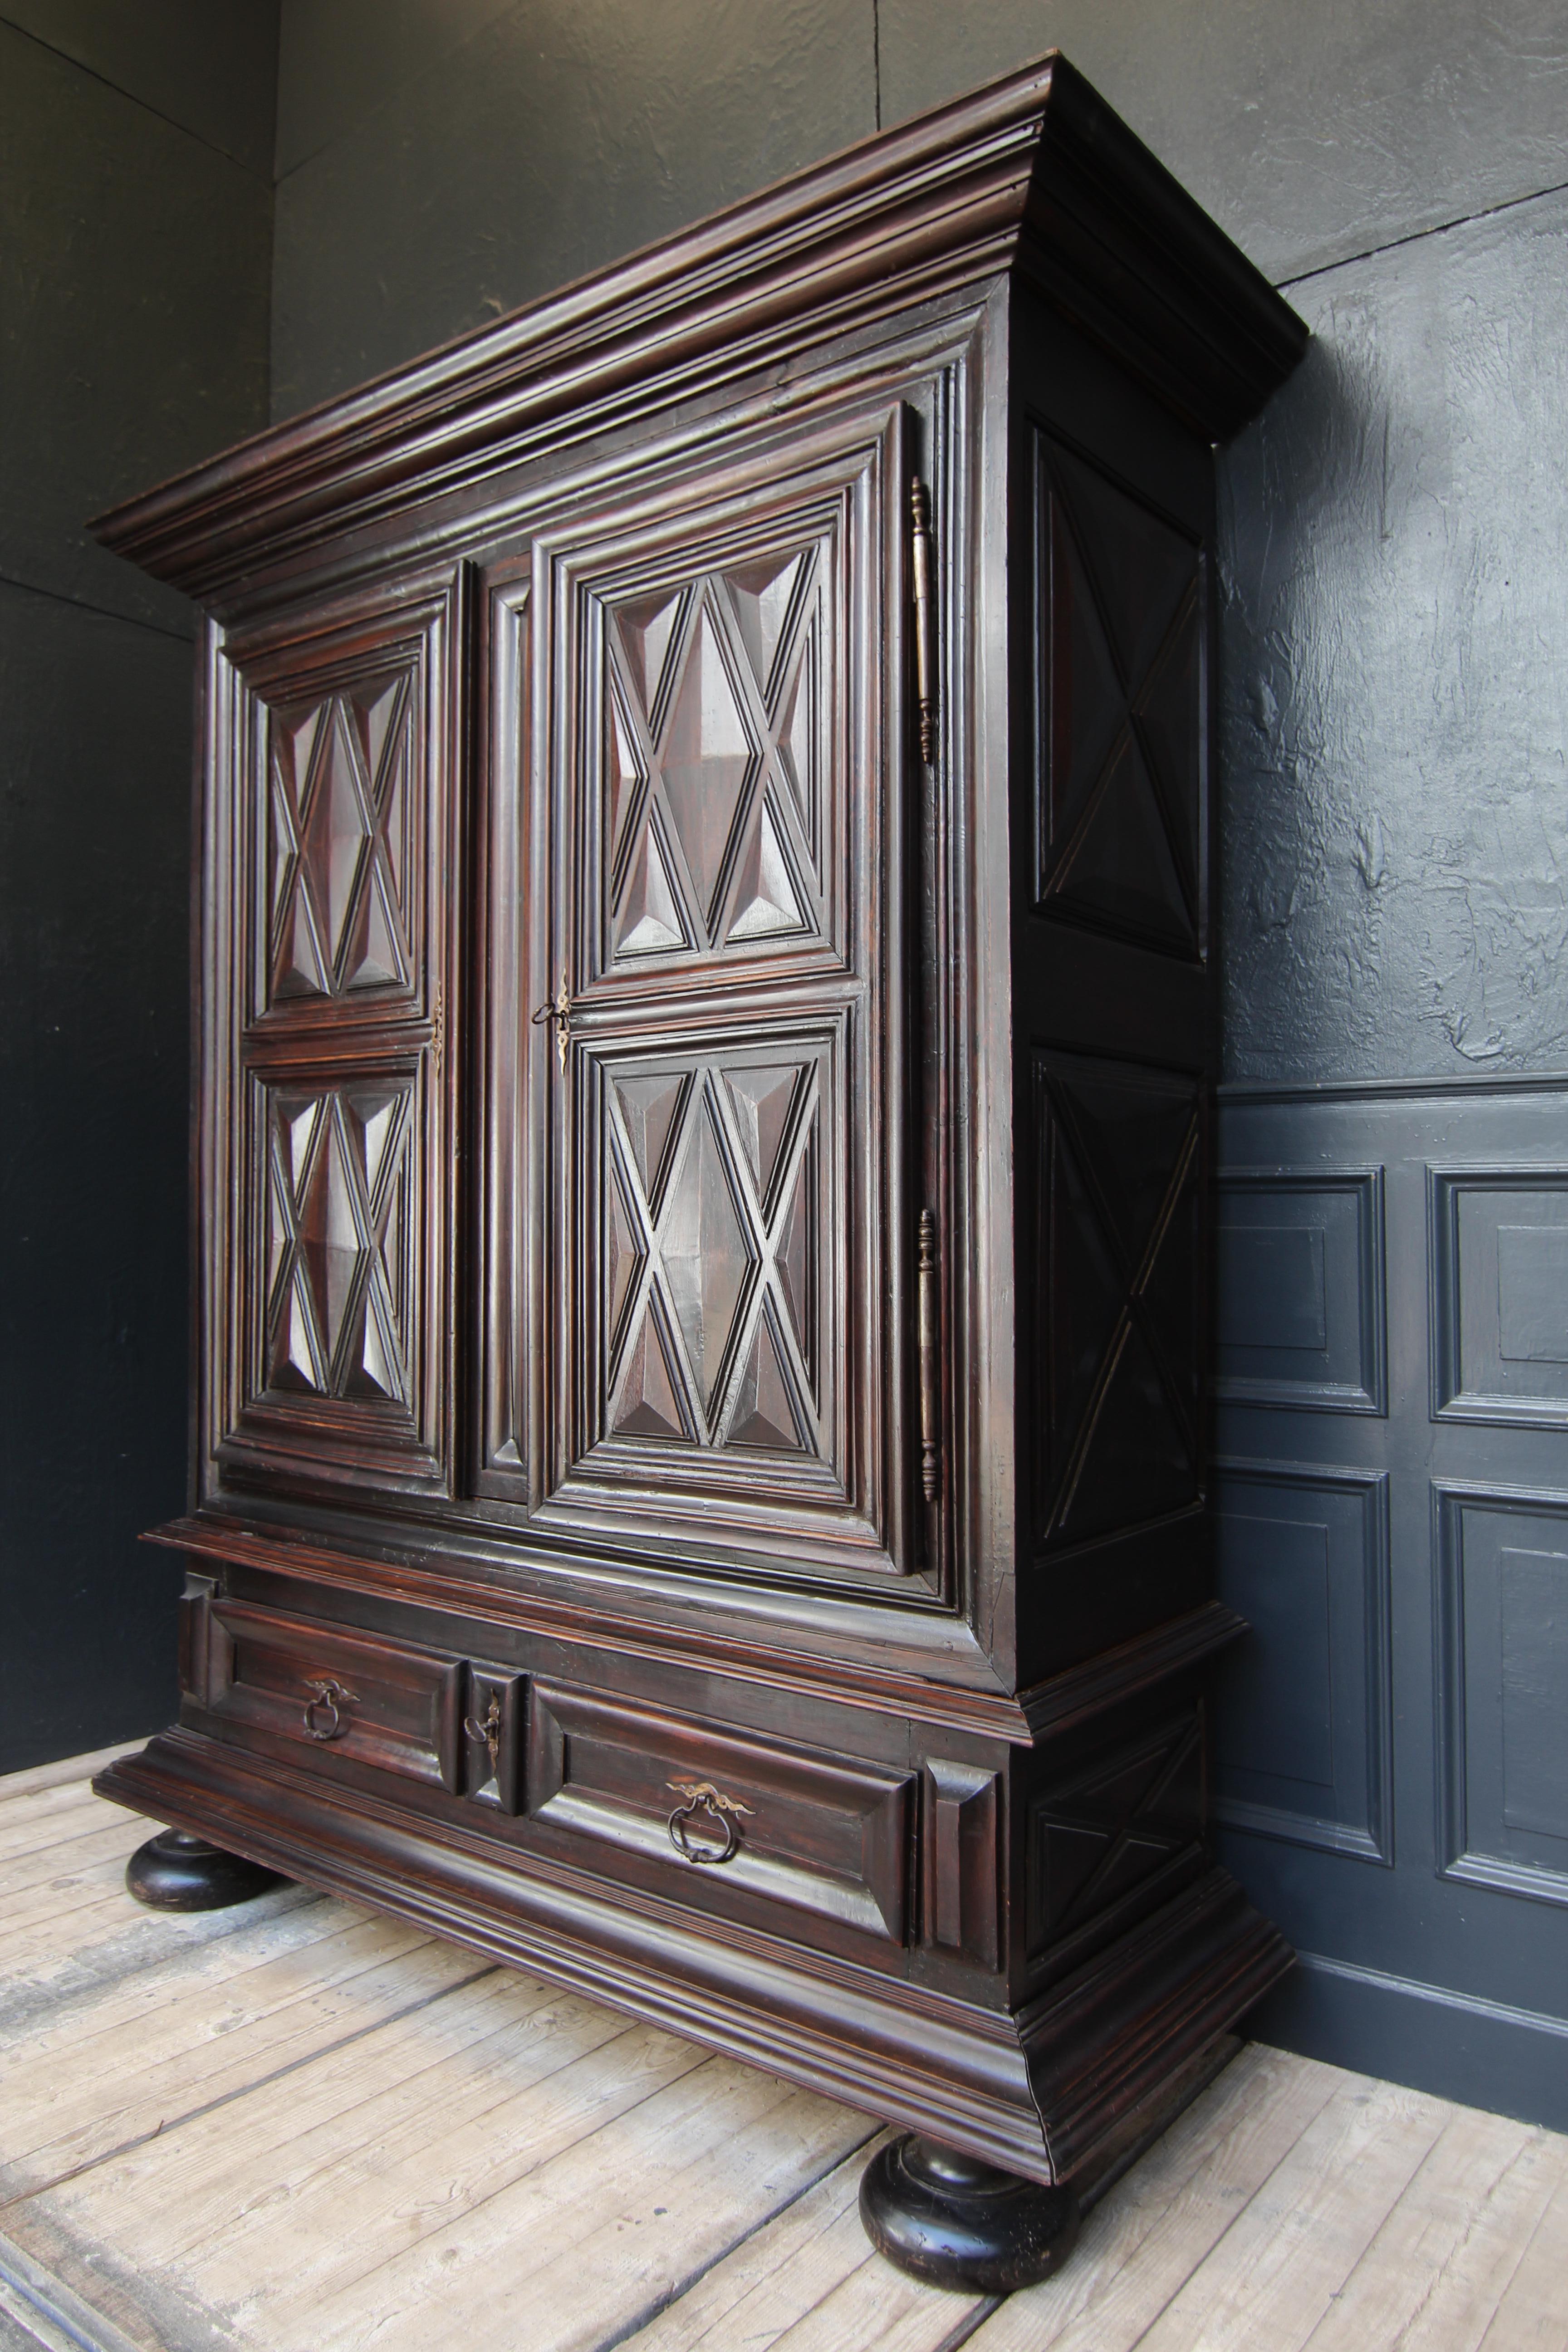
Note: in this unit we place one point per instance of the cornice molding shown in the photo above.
(1033, 171)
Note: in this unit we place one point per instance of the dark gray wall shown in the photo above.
(135, 226)
(440, 163)
(1394, 1776)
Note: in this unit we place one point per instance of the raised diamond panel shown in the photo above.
(707, 1254)
(650, 1108)
(762, 593)
(767, 896)
(343, 814)
(707, 759)
(709, 1251)
(648, 628)
(712, 762)
(338, 1241)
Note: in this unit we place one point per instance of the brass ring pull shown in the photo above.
(324, 1718)
(703, 1797)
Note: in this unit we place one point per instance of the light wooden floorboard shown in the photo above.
(297, 2127)
(74, 1771)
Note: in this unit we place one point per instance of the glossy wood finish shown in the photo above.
(707, 1032)
(269, 2126)
(177, 1872)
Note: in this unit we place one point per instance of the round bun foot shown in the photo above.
(176, 1871)
(954, 2222)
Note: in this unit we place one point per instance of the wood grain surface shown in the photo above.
(296, 2127)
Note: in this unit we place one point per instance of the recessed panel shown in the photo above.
(333, 1305)
(1300, 1291)
(1107, 1838)
(719, 1818)
(714, 731)
(1503, 1691)
(716, 1334)
(1499, 1340)
(1121, 704)
(342, 793)
(346, 804)
(1302, 1732)
(1120, 1311)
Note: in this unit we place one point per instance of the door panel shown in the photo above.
(327, 1194)
(714, 1019)
(712, 1319)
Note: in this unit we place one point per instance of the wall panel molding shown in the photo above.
(1305, 1737)
(1302, 1320)
(1498, 1255)
(1500, 1649)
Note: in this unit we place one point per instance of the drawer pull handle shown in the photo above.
(703, 1797)
(324, 1718)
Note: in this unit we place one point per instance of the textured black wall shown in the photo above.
(135, 224)
(1396, 839)
(440, 160)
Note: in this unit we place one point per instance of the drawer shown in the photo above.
(722, 1810)
(377, 1701)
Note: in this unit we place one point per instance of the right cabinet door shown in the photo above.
(712, 1355)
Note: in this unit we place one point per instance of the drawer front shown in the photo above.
(378, 1702)
(763, 1820)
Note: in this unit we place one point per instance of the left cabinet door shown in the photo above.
(330, 858)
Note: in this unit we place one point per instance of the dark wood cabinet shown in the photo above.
(707, 1021)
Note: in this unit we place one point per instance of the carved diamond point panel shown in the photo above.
(709, 1255)
(712, 762)
(343, 810)
(339, 1294)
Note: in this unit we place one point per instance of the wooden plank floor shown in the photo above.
(297, 2127)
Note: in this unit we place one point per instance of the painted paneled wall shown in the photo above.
(135, 228)
(1394, 1308)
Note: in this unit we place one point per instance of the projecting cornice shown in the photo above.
(1034, 172)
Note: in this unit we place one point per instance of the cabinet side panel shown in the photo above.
(1113, 1049)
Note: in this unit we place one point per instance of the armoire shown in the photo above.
(705, 1016)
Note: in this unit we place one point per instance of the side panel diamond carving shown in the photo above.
(711, 702)
(1121, 1274)
(1120, 697)
(345, 805)
(710, 1250)
(339, 1257)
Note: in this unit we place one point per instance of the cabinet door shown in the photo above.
(328, 933)
(710, 1137)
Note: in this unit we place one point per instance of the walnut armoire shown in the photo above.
(706, 1011)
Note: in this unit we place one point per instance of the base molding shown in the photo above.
(1038, 2093)
(1480, 2053)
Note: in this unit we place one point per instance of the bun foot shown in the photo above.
(954, 2222)
(176, 1871)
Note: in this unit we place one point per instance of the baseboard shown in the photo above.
(1513, 2061)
